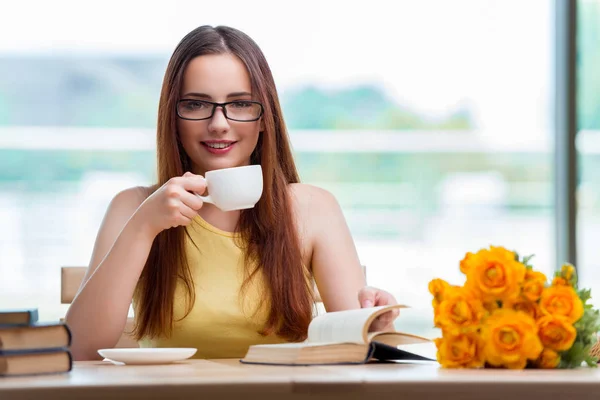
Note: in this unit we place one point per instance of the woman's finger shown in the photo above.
(191, 200)
(187, 212)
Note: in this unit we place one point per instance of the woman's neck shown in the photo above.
(225, 221)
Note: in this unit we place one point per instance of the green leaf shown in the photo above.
(573, 357)
(587, 329)
(526, 259)
(585, 295)
(591, 361)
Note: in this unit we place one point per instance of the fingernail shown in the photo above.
(367, 304)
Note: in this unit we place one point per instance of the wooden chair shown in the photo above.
(70, 281)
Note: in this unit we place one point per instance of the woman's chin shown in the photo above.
(222, 164)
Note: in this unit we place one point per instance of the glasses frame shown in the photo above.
(222, 105)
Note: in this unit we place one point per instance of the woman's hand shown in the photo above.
(173, 204)
(373, 297)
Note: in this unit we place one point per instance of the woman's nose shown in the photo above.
(218, 122)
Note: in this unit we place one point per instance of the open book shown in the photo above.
(341, 337)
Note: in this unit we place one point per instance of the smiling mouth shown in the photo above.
(218, 145)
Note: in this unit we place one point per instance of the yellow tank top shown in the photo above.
(224, 321)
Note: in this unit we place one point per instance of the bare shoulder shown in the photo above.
(123, 205)
(320, 221)
(128, 200)
(312, 202)
(132, 195)
(309, 195)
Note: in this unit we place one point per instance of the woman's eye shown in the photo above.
(195, 105)
(241, 104)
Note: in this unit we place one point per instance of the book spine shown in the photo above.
(70, 360)
(8, 353)
(69, 334)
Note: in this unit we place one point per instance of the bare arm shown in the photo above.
(335, 264)
(98, 313)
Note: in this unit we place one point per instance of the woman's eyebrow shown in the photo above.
(239, 94)
(201, 95)
(209, 97)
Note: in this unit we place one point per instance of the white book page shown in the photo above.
(341, 327)
(300, 345)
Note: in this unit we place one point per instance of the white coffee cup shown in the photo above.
(236, 188)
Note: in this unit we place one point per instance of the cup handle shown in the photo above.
(206, 199)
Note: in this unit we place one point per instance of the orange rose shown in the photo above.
(495, 277)
(559, 282)
(459, 311)
(510, 339)
(556, 332)
(503, 253)
(490, 306)
(549, 359)
(466, 262)
(567, 271)
(562, 300)
(474, 259)
(533, 285)
(437, 288)
(522, 304)
(460, 351)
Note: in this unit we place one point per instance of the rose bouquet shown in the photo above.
(507, 315)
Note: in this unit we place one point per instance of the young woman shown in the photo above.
(200, 277)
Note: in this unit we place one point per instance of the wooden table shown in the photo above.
(228, 379)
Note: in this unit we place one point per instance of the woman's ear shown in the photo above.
(261, 128)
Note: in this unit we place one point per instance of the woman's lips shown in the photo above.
(218, 147)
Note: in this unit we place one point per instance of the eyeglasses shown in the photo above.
(238, 110)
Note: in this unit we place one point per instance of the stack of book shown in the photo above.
(28, 347)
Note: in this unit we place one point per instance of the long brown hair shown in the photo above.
(267, 231)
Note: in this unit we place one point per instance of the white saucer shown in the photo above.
(146, 356)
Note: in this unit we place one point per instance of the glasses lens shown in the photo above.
(243, 110)
(194, 109)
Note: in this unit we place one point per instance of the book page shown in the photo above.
(292, 345)
(396, 338)
(348, 326)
